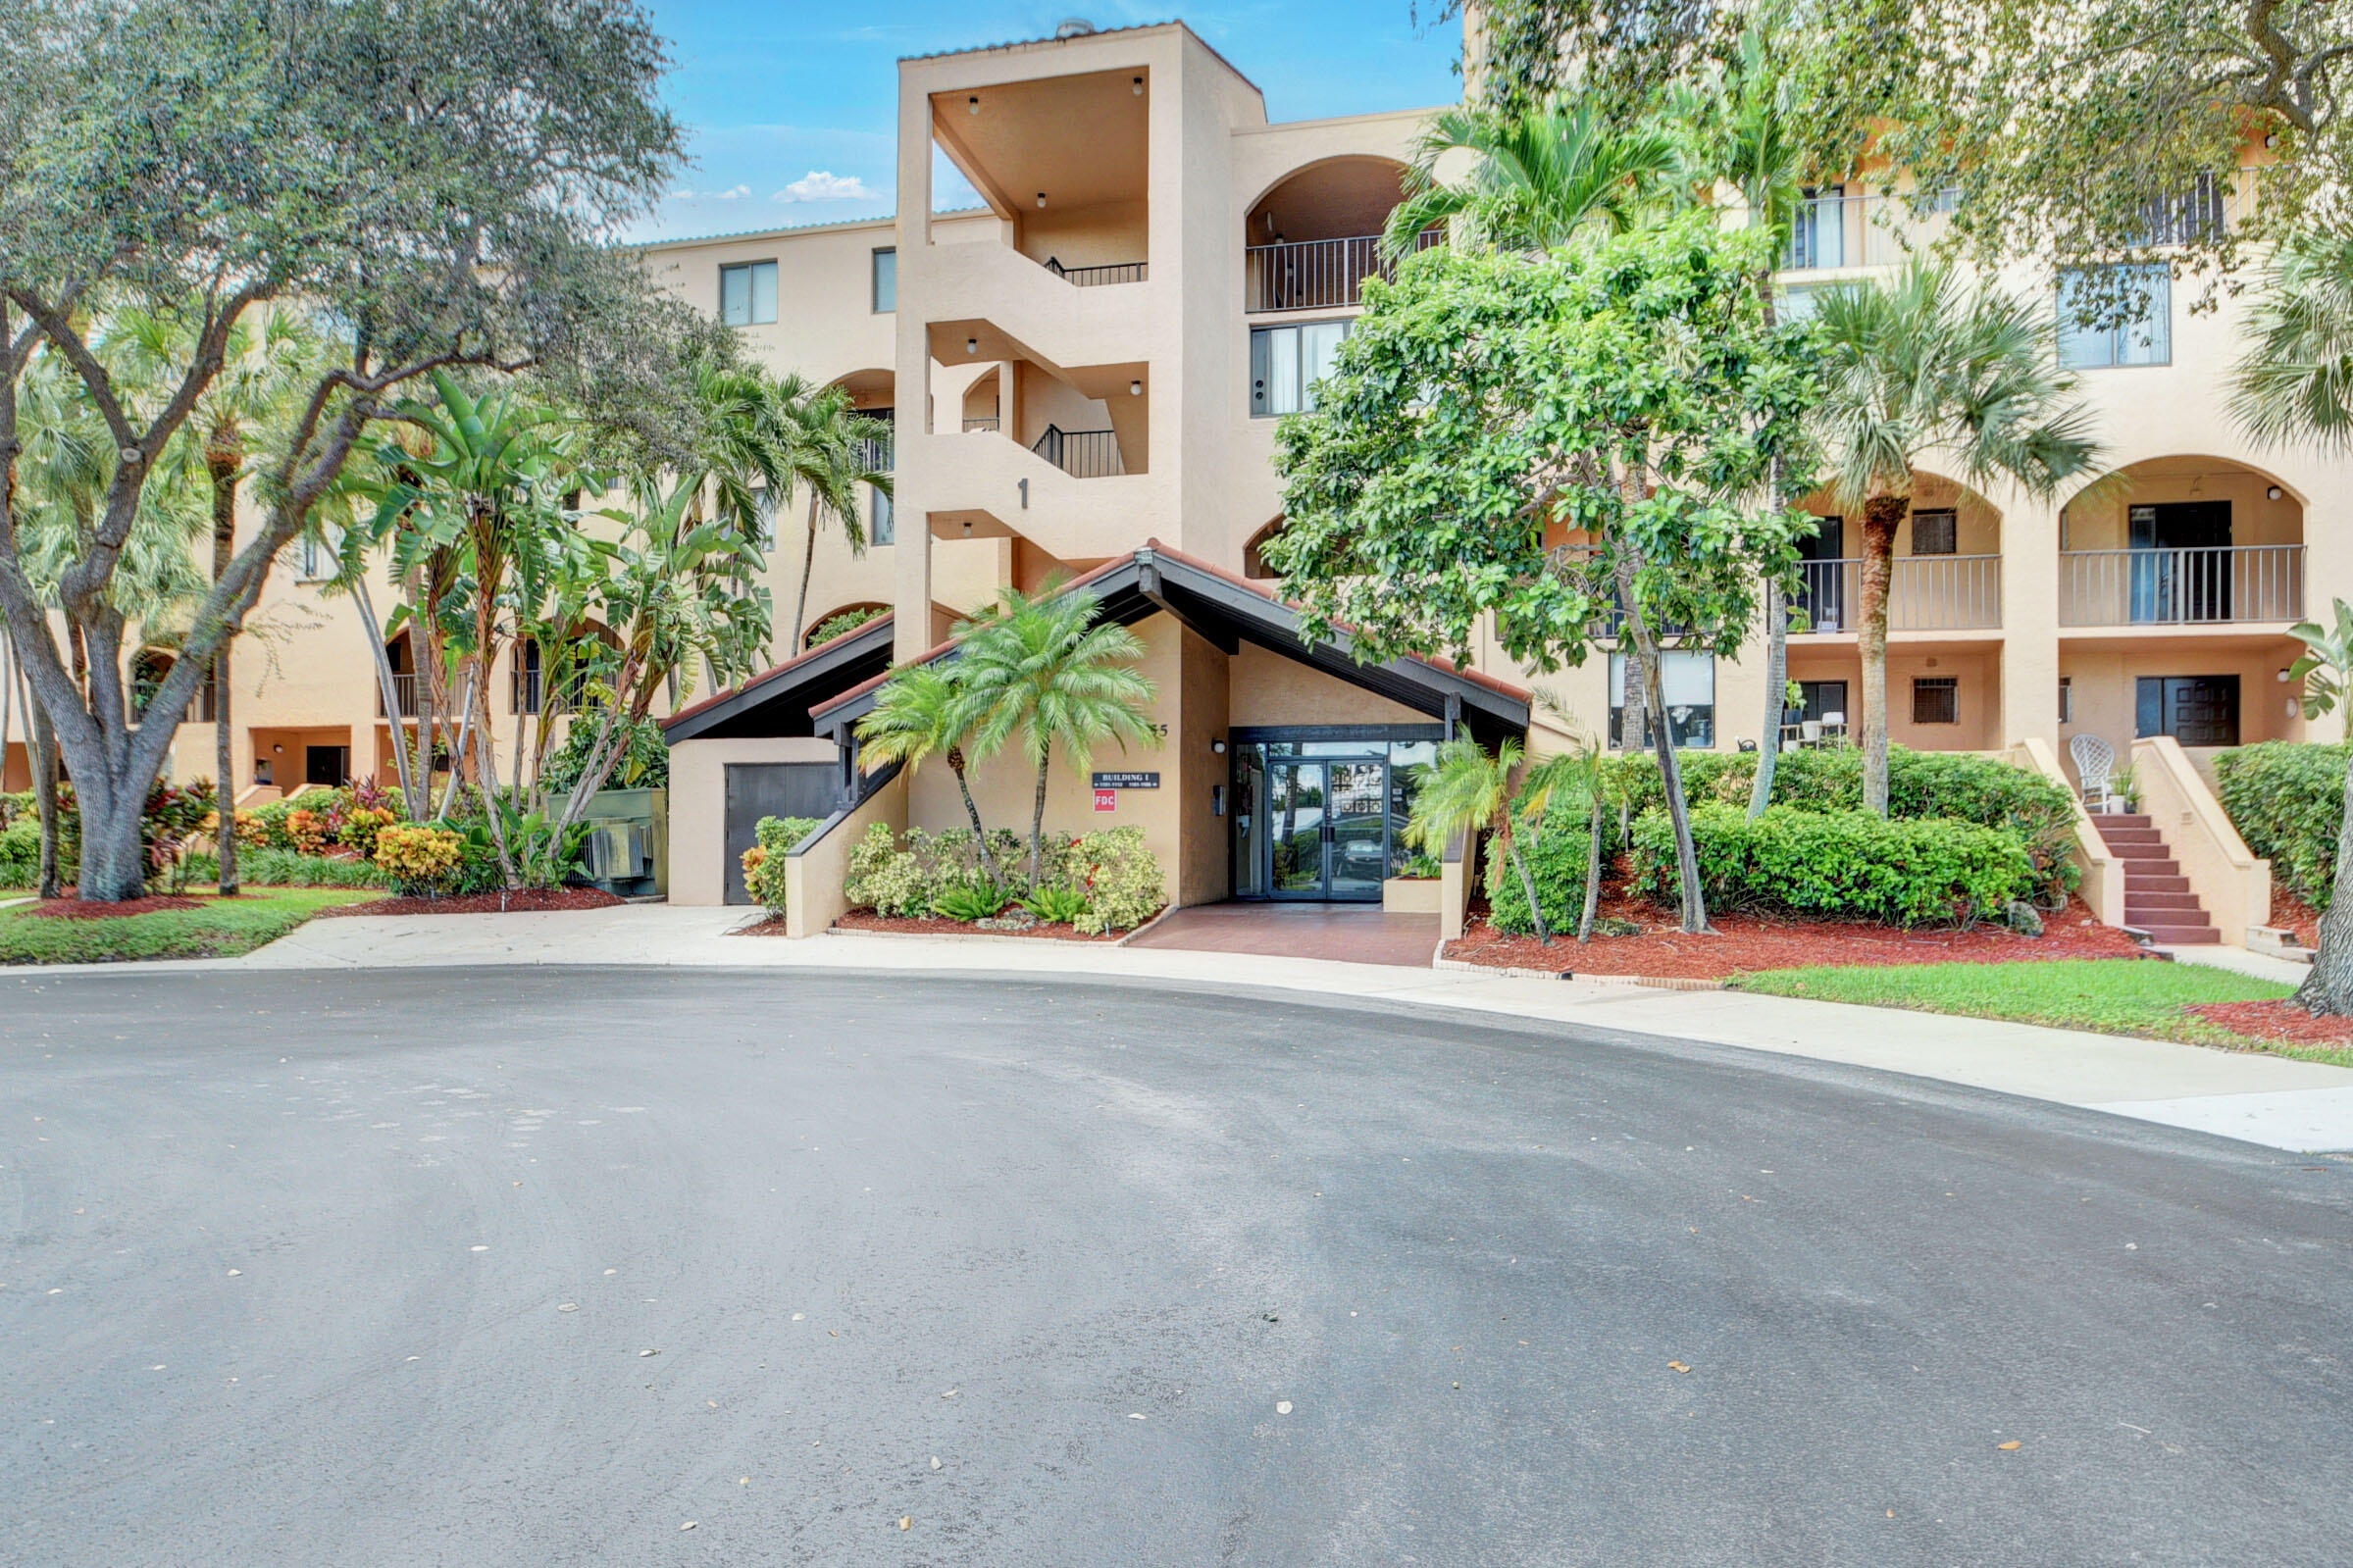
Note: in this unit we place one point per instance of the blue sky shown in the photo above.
(788, 107)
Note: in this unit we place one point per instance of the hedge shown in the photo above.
(2287, 800)
(1556, 861)
(2039, 813)
(1838, 865)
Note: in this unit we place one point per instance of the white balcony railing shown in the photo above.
(2204, 586)
(1924, 593)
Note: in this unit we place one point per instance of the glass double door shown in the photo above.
(1328, 828)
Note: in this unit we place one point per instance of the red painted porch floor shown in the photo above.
(1355, 933)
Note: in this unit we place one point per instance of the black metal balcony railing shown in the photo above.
(2202, 586)
(1097, 276)
(2198, 213)
(987, 421)
(1924, 593)
(1318, 274)
(1081, 454)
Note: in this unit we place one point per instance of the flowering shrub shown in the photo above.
(1122, 879)
(764, 863)
(308, 831)
(419, 858)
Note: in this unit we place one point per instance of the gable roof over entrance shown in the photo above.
(1228, 611)
(778, 702)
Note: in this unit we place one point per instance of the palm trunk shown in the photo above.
(44, 791)
(1881, 515)
(980, 835)
(808, 566)
(1663, 745)
(1509, 844)
(412, 805)
(1593, 870)
(1776, 698)
(221, 469)
(1038, 813)
(2329, 989)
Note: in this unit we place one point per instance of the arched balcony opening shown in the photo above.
(1947, 572)
(2183, 540)
(1313, 239)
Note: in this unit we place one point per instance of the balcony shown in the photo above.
(1318, 274)
(1832, 232)
(2214, 585)
(404, 696)
(1924, 593)
(1098, 277)
(1081, 454)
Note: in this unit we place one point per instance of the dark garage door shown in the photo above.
(756, 790)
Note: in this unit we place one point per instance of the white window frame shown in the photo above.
(2146, 340)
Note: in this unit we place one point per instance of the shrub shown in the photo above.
(976, 898)
(270, 824)
(2287, 800)
(360, 827)
(18, 806)
(283, 868)
(1556, 859)
(1963, 785)
(419, 858)
(1843, 865)
(1057, 904)
(764, 862)
(21, 853)
(908, 882)
(308, 831)
(643, 764)
(1122, 879)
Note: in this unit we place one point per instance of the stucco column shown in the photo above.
(2029, 621)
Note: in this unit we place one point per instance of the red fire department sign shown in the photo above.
(1106, 800)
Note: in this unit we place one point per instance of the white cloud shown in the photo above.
(736, 194)
(820, 185)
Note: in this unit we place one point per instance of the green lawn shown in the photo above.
(2109, 995)
(222, 928)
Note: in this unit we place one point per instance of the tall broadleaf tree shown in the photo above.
(1919, 365)
(1574, 443)
(442, 179)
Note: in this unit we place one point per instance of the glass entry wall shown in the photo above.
(1319, 814)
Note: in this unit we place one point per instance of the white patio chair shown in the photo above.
(2095, 760)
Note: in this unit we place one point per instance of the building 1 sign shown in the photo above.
(1127, 781)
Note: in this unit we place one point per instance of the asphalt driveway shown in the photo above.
(540, 1266)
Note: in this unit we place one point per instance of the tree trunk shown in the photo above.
(1038, 813)
(1881, 515)
(2329, 989)
(114, 865)
(980, 835)
(1593, 870)
(412, 805)
(1662, 744)
(808, 565)
(1527, 883)
(221, 469)
(1776, 698)
(44, 792)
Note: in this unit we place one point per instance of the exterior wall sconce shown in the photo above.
(1042, 200)
(972, 104)
(2272, 493)
(972, 345)
(2283, 677)
(1135, 388)
(1218, 746)
(1139, 86)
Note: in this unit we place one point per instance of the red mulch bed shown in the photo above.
(937, 926)
(75, 909)
(530, 901)
(2290, 913)
(2277, 1021)
(1748, 942)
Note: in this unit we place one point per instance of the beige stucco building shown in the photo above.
(1083, 376)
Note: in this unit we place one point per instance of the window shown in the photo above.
(882, 527)
(1936, 699)
(1797, 304)
(2067, 699)
(885, 280)
(1687, 681)
(2122, 316)
(1286, 362)
(748, 294)
(1817, 232)
(1823, 701)
(2198, 710)
(1934, 533)
(310, 558)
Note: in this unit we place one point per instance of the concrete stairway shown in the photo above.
(2157, 897)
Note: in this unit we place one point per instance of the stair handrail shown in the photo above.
(2233, 884)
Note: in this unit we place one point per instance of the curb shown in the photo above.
(1460, 966)
(961, 936)
(1166, 910)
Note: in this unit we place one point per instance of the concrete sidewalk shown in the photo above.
(2271, 1100)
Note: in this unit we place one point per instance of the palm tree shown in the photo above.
(1466, 790)
(923, 709)
(1537, 182)
(1577, 780)
(1921, 363)
(1045, 670)
(2295, 383)
(831, 451)
(1744, 127)
(266, 370)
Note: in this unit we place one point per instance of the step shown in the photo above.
(2154, 883)
(2146, 899)
(2106, 821)
(2154, 849)
(2179, 935)
(2112, 836)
